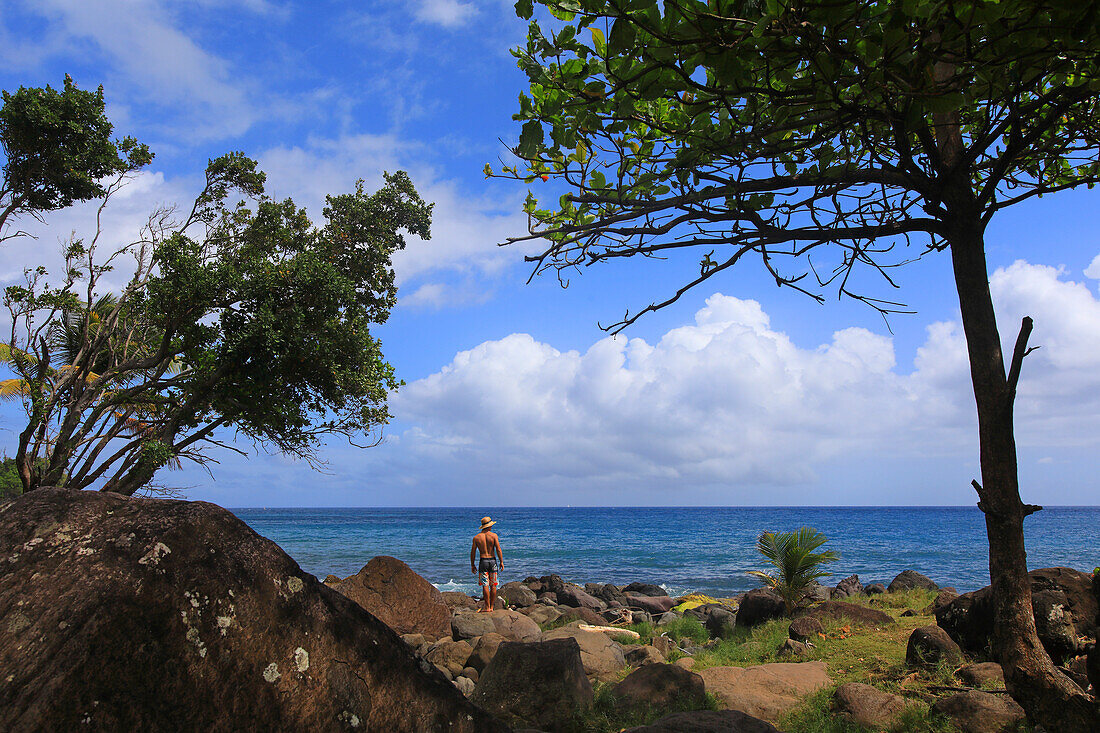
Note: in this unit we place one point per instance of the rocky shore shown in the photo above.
(137, 614)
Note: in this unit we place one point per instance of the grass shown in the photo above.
(607, 715)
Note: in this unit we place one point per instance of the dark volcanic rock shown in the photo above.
(982, 674)
(930, 645)
(910, 579)
(805, 628)
(760, 605)
(400, 598)
(145, 614)
(586, 615)
(517, 595)
(650, 604)
(1060, 597)
(645, 589)
(660, 685)
(537, 684)
(850, 612)
(875, 589)
(707, 721)
(792, 648)
(981, 712)
(551, 583)
(868, 706)
(457, 599)
(1092, 667)
(575, 597)
(720, 620)
(609, 593)
(850, 586)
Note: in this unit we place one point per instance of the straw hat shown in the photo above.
(486, 522)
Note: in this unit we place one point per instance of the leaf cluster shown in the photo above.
(796, 562)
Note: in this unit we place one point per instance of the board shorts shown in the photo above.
(487, 571)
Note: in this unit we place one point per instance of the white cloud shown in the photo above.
(447, 13)
(730, 401)
(1093, 270)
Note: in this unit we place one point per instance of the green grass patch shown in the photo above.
(686, 627)
(607, 715)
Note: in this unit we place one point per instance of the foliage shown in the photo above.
(57, 150)
(607, 715)
(10, 485)
(685, 627)
(239, 316)
(796, 563)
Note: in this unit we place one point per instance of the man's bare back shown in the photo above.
(491, 560)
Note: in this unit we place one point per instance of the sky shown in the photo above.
(739, 394)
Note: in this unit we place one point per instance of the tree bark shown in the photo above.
(1048, 696)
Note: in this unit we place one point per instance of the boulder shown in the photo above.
(585, 615)
(929, 646)
(575, 597)
(663, 644)
(449, 654)
(470, 673)
(398, 597)
(805, 628)
(601, 656)
(720, 621)
(610, 594)
(544, 614)
(124, 613)
(331, 579)
(816, 593)
(707, 721)
(645, 589)
(517, 595)
(484, 650)
(551, 583)
(1092, 668)
(982, 674)
(910, 579)
(535, 684)
(868, 706)
(760, 605)
(766, 691)
(875, 589)
(465, 685)
(640, 655)
(1060, 597)
(981, 712)
(470, 625)
(1077, 670)
(650, 604)
(850, 586)
(849, 613)
(514, 626)
(792, 648)
(415, 641)
(668, 617)
(660, 686)
(457, 599)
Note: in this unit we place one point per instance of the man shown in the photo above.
(487, 544)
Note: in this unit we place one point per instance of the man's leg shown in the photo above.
(492, 591)
(484, 599)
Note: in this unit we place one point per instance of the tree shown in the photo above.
(57, 150)
(819, 137)
(796, 562)
(243, 317)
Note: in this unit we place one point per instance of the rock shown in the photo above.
(398, 597)
(805, 628)
(1092, 668)
(471, 625)
(850, 586)
(1077, 670)
(627, 615)
(660, 686)
(663, 644)
(449, 654)
(552, 583)
(907, 613)
(969, 617)
(720, 621)
(816, 593)
(766, 691)
(154, 614)
(910, 579)
(544, 614)
(849, 613)
(875, 589)
(981, 712)
(668, 617)
(982, 674)
(645, 589)
(574, 597)
(945, 596)
(415, 641)
(601, 656)
(539, 684)
(513, 625)
(465, 685)
(484, 650)
(868, 706)
(550, 599)
(585, 615)
(470, 673)
(929, 646)
(650, 604)
(517, 595)
(609, 594)
(331, 579)
(792, 648)
(639, 655)
(687, 662)
(760, 605)
(707, 721)
(458, 600)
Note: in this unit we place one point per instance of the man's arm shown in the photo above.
(473, 548)
(500, 552)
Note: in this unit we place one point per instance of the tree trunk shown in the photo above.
(1049, 697)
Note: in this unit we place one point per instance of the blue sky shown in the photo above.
(740, 394)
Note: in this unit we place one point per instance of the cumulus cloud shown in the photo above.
(1093, 270)
(729, 400)
(447, 13)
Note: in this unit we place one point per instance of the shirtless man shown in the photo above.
(487, 545)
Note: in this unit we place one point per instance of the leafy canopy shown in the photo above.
(769, 128)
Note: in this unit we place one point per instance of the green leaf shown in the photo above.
(525, 8)
(530, 138)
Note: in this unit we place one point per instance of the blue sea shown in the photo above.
(694, 549)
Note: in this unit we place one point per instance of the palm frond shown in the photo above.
(795, 560)
(12, 389)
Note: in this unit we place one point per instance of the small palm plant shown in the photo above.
(797, 565)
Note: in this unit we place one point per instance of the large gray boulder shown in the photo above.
(760, 605)
(910, 579)
(661, 686)
(536, 684)
(868, 706)
(120, 614)
(400, 598)
(930, 646)
(850, 586)
(517, 594)
(981, 712)
(766, 691)
(601, 656)
(512, 625)
(651, 604)
(574, 596)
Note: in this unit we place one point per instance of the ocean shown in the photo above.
(691, 549)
